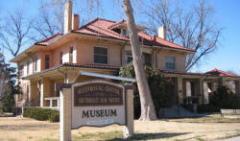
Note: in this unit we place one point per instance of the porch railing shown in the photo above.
(52, 102)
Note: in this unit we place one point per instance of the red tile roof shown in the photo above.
(220, 73)
(103, 27)
(49, 39)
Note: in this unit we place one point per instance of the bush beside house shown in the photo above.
(162, 89)
(41, 114)
(222, 98)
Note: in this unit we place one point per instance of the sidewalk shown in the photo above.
(232, 139)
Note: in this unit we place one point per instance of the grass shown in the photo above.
(100, 136)
(117, 136)
(171, 129)
(208, 119)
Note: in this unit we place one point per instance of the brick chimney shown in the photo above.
(75, 22)
(68, 16)
(162, 32)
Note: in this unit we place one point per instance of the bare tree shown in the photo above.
(147, 107)
(49, 20)
(193, 29)
(14, 34)
(2, 75)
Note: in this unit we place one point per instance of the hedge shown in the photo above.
(41, 114)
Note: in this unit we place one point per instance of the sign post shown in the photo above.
(65, 114)
(96, 103)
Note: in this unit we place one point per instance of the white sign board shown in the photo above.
(98, 103)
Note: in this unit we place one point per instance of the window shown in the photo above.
(28, 67)
(100, 55)
(20, 70)
(71, 55)
(128, 57)
(147, 59)
(170, 63)
(35, 63)
(61, 58)
(124, 32)
(47, 61)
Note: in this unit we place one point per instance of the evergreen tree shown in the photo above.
(7, 86)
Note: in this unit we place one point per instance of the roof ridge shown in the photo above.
(48, 38)
(112, 32)
(221, 71)
(94, 20)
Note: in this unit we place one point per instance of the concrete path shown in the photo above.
(233, 139)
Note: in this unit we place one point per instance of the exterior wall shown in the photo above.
(29, 63)
(84, 52)
(180, 60)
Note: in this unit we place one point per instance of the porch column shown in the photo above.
(32, 89)
(201, 94)
(70, 77)
(180, 90)
(41, 93)
(44, 91)
(188, 89)
(237, 87)
(205, 93)
(154, 58)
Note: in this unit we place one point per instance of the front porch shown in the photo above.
(189, 88)
(196, 88)
(44, 87)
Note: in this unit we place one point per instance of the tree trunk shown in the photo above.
(147, 107)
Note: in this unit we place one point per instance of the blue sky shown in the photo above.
(227, 16)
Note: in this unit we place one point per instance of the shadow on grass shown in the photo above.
(148, 136)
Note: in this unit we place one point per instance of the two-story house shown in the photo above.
(102, 46)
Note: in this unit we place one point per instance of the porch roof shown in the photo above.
(68, 66)
(195, 75)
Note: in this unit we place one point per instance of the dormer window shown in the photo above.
(124, 32)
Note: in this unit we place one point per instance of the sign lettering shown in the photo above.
(98, 103)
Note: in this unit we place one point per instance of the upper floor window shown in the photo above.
(35, 63)
(47, 61)
(28, 67)
(128, 57)
(147, 59)
(100, 55)
(71, 55)
(61, 58)
(20, 70)
(170, 63)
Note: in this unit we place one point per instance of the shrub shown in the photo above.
(54, 116)
(162, 89)
(224, 98)
(207, 108)
(41, 114)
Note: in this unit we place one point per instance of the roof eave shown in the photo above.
(18, 57)
(176, 49)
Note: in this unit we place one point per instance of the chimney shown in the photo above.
(68, 16)
(75, 22)
(162, 32)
